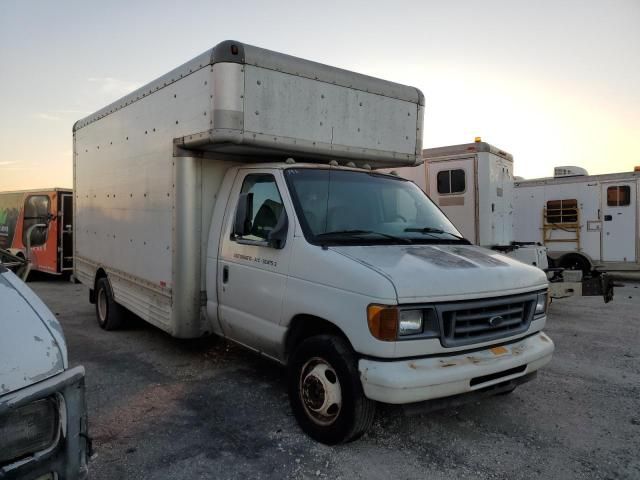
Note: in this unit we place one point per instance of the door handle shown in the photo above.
(225, 274)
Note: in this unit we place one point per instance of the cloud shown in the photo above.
(46, 116)
(74, 112)
(114, 86)
(6, 163)
(58, 115)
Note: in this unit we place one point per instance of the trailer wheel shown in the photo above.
(109, 313)
(325, 391)
(574, 261)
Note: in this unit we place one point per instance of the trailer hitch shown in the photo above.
(599, 285)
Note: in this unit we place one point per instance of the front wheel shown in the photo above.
(325, 391)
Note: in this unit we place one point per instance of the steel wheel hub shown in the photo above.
(320, 391)
(102, 304)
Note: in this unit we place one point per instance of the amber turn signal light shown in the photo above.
(383, 322)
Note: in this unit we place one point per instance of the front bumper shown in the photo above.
(416, 380)
(68, 458)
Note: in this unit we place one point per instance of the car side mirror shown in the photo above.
(278, 236)
(244, 214)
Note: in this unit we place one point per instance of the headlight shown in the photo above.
(389, 323)
(541, 305)
(410, 322)
(28, 429)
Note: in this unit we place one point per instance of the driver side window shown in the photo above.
(266, 205)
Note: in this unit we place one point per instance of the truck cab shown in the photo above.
(356, 276)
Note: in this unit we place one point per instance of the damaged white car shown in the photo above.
(43, 419)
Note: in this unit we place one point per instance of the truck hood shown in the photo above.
(431, 273)
(32, 347)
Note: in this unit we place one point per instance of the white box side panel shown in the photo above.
(527, 210)
(290, 106)
(579, 192)
(124, 178)
(460, 208)
(529, 205)
(500, 199)
(417, 175)
(213, 173)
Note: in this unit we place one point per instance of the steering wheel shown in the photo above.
(400, 217)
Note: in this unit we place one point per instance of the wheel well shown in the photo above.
(304, 326)
(574, 259)
(100, 273)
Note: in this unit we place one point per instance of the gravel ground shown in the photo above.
(161, 408)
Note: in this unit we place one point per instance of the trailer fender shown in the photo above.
(575, 261)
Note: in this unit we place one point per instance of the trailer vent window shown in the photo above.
(619, 196)
(562, 211)
(451, 181)
(36, 212)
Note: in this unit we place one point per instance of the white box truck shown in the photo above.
(586, 221)
(238, 195)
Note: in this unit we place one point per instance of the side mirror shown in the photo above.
(278, 236)
(244, 214)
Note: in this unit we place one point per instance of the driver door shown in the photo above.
(252, 275)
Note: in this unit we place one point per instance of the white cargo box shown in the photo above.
(148, 167)
(257, 103)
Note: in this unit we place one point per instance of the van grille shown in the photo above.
(484, 320)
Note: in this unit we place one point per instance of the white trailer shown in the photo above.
(586, 221)
(474, 185)
(236, 195)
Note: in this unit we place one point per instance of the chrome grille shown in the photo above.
(477, 321)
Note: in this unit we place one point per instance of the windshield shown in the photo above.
(348, 207)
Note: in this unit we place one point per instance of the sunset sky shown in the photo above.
(552, 82)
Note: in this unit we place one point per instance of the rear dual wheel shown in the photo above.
(325, 391)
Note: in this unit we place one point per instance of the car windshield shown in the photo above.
(351, 207)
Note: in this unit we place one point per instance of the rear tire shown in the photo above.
(325, 391)
(110, 315)
(575, 261)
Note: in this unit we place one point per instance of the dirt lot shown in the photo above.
(162, 408)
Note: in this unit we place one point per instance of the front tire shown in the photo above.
(110, 315)
(325, 391)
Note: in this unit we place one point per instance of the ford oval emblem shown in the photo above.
(496, 321)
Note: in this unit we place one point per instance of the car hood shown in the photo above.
(428, 273)
(32, 346)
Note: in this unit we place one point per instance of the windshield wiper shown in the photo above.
(434, 230)
(355, 233)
